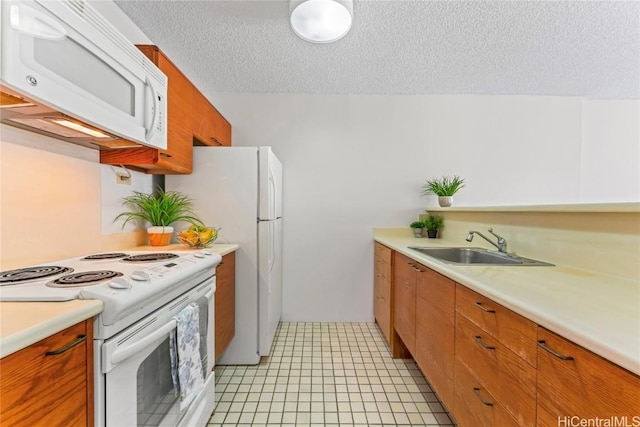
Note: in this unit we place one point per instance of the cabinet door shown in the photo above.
(178, 156)
(573, 381)
(382, 290)
(404, 297)
(225, 303)
(435, 320)
(209, 126)
(43, 389)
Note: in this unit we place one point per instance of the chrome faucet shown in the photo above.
(501, 245)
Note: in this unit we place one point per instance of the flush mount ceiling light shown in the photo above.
(321, 21)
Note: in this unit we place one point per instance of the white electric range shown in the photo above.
(143, 293)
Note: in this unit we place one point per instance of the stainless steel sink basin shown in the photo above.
(476, 256)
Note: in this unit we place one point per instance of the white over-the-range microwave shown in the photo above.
(67, 72)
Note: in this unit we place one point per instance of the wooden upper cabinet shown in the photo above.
(572, 381)
(209, 126)
(177, 158)
(50, 383)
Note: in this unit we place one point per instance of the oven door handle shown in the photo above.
(124, 353)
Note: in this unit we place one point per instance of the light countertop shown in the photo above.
(598, 312)
(219, 248)
(25, 323)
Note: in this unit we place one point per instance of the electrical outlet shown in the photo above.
(123, 178)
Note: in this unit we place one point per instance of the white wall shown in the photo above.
(355, 162)
(611, 151)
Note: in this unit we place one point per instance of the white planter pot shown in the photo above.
(445, 201)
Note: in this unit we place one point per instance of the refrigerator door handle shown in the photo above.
(273, 196)
(272, 254)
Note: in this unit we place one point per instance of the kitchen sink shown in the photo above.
(476, 256)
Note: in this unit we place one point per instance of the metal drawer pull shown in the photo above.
(479, 341)
(81, 338)
(476, 391)
(541, 343)
(483, 308)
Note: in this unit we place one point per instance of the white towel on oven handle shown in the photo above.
(186, 347)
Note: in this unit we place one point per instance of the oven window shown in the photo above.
(156, 393)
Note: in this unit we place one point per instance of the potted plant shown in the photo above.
(417, 228)
(160, 209)
(433, 223)
(444, 187)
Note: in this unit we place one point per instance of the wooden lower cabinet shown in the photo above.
(50, 383)
(435, 323)
(225, 303)
(574, 382)
(405, 276)
(382, 301)
(474, 405)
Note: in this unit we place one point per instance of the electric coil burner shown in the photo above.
(28, 274)
(85, 278)
(96, 257)
(152, 257)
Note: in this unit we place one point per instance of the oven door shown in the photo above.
(136, 365)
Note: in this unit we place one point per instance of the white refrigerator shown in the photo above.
(240, 190)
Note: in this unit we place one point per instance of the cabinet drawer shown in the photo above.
(382, 253)
(510, 379)
(578, 382)
(49, 390)
(512, 330)
(474, 406)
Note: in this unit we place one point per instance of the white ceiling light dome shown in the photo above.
(321, 21)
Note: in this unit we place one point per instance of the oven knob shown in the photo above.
(207, 252)
(198, 254)
(120, 283)
(140, 276)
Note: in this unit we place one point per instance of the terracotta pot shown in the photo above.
(160, 236)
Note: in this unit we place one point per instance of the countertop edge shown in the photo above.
(49, 326)
(597, 345)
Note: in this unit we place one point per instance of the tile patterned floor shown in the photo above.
(326, 374)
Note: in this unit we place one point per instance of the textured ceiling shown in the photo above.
(566, 48)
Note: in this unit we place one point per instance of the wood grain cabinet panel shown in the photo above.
(474, 405)
(40, 389)
(515, 332)
(509, 378)
(178, 156)
(405, 277)
(225, 303)
(209, 126)
(382, 303)
(573, 381)
(435, 325)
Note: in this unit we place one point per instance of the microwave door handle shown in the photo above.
(34, 23)
(151, 128)
(124, 353)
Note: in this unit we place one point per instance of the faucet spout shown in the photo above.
(501, 244)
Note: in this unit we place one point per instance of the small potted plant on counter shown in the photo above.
(160, 209)
(417, 228)
(433, 223)
(444, 187)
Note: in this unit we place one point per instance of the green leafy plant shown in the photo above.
(160, 209)
(433, 222)
(443, 186)
(417, 224)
